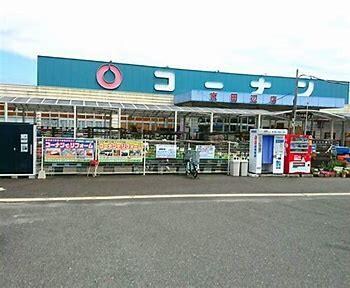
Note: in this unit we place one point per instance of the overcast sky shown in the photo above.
(263, 37)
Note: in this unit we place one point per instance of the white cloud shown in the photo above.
(272, 37)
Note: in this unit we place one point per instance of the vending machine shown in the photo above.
(266, 151)
(298, 154)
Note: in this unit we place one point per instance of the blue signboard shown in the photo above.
(262, 99)
(86, 74)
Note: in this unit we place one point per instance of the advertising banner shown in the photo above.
(68, 150)
(206, 151)
(116, 150)
(166, 151)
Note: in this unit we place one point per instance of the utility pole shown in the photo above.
(307, 114)
(295, 101)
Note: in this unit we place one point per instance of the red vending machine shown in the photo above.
(298, 154)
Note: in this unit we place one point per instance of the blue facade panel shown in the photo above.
(75, 73)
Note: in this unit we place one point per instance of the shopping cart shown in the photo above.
(191, 159)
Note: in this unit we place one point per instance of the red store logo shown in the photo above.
(110, 85)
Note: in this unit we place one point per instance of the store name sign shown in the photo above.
(166, 82)
(260, 85)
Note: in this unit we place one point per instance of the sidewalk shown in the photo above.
(117, 185)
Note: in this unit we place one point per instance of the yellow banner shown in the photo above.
(115, 150)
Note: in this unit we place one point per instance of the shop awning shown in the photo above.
(320, 113)
(64, 105)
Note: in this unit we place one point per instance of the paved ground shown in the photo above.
(165, 184)
(265, 242)
(289, 242)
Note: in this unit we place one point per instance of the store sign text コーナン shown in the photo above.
(165, 81)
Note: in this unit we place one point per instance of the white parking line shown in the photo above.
(172, 196)
(2, 189)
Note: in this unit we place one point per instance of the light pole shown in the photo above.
(295, 100)
(294, 113)
(307, 110)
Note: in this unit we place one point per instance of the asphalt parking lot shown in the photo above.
(241, 241)
(289, 242)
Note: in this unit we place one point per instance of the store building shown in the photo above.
(73, 95)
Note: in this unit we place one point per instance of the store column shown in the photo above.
(259, 121)
(119, 118)
(75, 122)
(312, 125)
(114, 120)
(5, 112)
(23, 115)
(342, 139)
(211, 122)
(104, 119)
(110, 119)
(175, 126)
(332, 129)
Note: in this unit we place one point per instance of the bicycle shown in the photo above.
(164, 166)
(192, 163)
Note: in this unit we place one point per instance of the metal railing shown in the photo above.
(156, 157)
